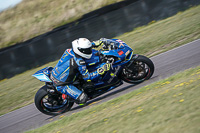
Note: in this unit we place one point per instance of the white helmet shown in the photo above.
(82, 47)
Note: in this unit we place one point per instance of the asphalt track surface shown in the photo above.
(166, 64)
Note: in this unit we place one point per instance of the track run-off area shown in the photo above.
(166, 64)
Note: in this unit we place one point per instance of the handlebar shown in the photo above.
(110, 46)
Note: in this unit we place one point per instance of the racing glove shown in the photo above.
(97, 43)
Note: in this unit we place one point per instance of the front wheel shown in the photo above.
(51, 104)
(137, 71)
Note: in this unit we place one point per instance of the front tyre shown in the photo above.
(137, 71)
(51, 104)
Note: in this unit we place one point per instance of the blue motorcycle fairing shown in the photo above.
(105, 83)
(122, 49)
(105, 88)
(124, 57)
(43, 74)
(120, 44)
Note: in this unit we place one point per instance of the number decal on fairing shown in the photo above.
(121, 43)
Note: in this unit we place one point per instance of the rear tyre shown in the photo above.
(141, 69)
(51, 104)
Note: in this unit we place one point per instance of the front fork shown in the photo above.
(133, 58)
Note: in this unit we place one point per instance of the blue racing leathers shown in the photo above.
(67, 69)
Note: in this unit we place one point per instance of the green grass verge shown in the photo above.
(167, 106)
(148, 40)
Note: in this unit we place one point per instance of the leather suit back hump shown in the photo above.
(66, 68)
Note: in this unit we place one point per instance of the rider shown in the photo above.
(72, 64)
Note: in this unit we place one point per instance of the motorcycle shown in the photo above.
(125, 66)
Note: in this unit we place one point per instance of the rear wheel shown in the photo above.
(141, 69)
(51, 104)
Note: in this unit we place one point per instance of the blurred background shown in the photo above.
(35, 32)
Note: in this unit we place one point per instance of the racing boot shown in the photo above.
(79, 96)
(82, 99)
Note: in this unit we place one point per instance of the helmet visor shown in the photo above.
(85, 50)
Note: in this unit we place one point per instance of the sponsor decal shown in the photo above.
(69, 52)
(121, 43)
(100, 71)
(82, 62)
(71, 92)
(57, 70)
(65, 54)
(63, 76)
(104, 52)
(120, 52)
(127, 52)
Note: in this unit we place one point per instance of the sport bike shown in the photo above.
(125, 66)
